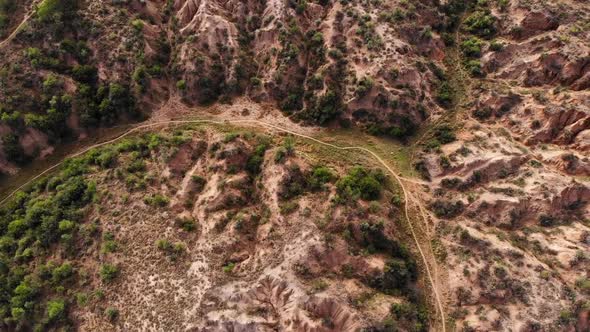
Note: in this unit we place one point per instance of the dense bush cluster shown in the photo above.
(296, 182)
(481, 23)
(49, 219)
(442, 134)
(397, 277)
(56, 11)
(446, 209)
(444, 94)
(254, 163)
(472, 46)
(49, 106)
(13, 150)
(327, 107)
(360, 183)
(400, 270)
(50, 213)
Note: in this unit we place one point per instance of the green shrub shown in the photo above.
(229, 267)
(444, 95)
(254, 163)
(448, 38)
(503, 5)
(367, 31)
(24, 294)
(396, 276)
(444, 134)
(293, 100)
(112, 314)
(474, 68)
(361, 183)
(280, 155)
(446, 209)
(108, 272)
(481, 23)
(482, 113)
(51, 83)
(375, 240)
(137, 24)
(472, 47)
(140, 77)
(87, 74)
(66, 226)
(451, 183)
(583, 284)
(7, 5)
(13, 150)
(230, 137)
(173, 251)
(405, 128)
(187, 224)
(255, 81)
(56, 11)
(106, 158)
(288, 208)
(109, 246)
(496, 46)
(47, 8)
(17, 313)
(4, 20)
(199, 182)
(157, 200)
(364, 86)
(319, 176)
(411, 315)
(115, 99)
(56, 310)
(326, 108)
(17, 227)
(163, 244)
(61, 273)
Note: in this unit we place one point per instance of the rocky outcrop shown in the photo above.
(572, 164)
(572, 198)
(562, 125)
(534, 23)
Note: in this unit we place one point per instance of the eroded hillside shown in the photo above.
(194, 229)
(510, 179)
(208, 229)
(74, 65)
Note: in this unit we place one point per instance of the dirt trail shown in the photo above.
(398, 178)
(13, 34)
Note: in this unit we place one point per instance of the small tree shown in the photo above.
(56, 310)
(108, 272)
(112, 314)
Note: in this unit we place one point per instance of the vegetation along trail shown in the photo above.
(399, 179)
(14, 32)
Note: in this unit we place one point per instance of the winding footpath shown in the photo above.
(398, 178)
(13, 34)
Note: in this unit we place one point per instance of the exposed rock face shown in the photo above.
(536, 22)
(562, 126)
(571, 164)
